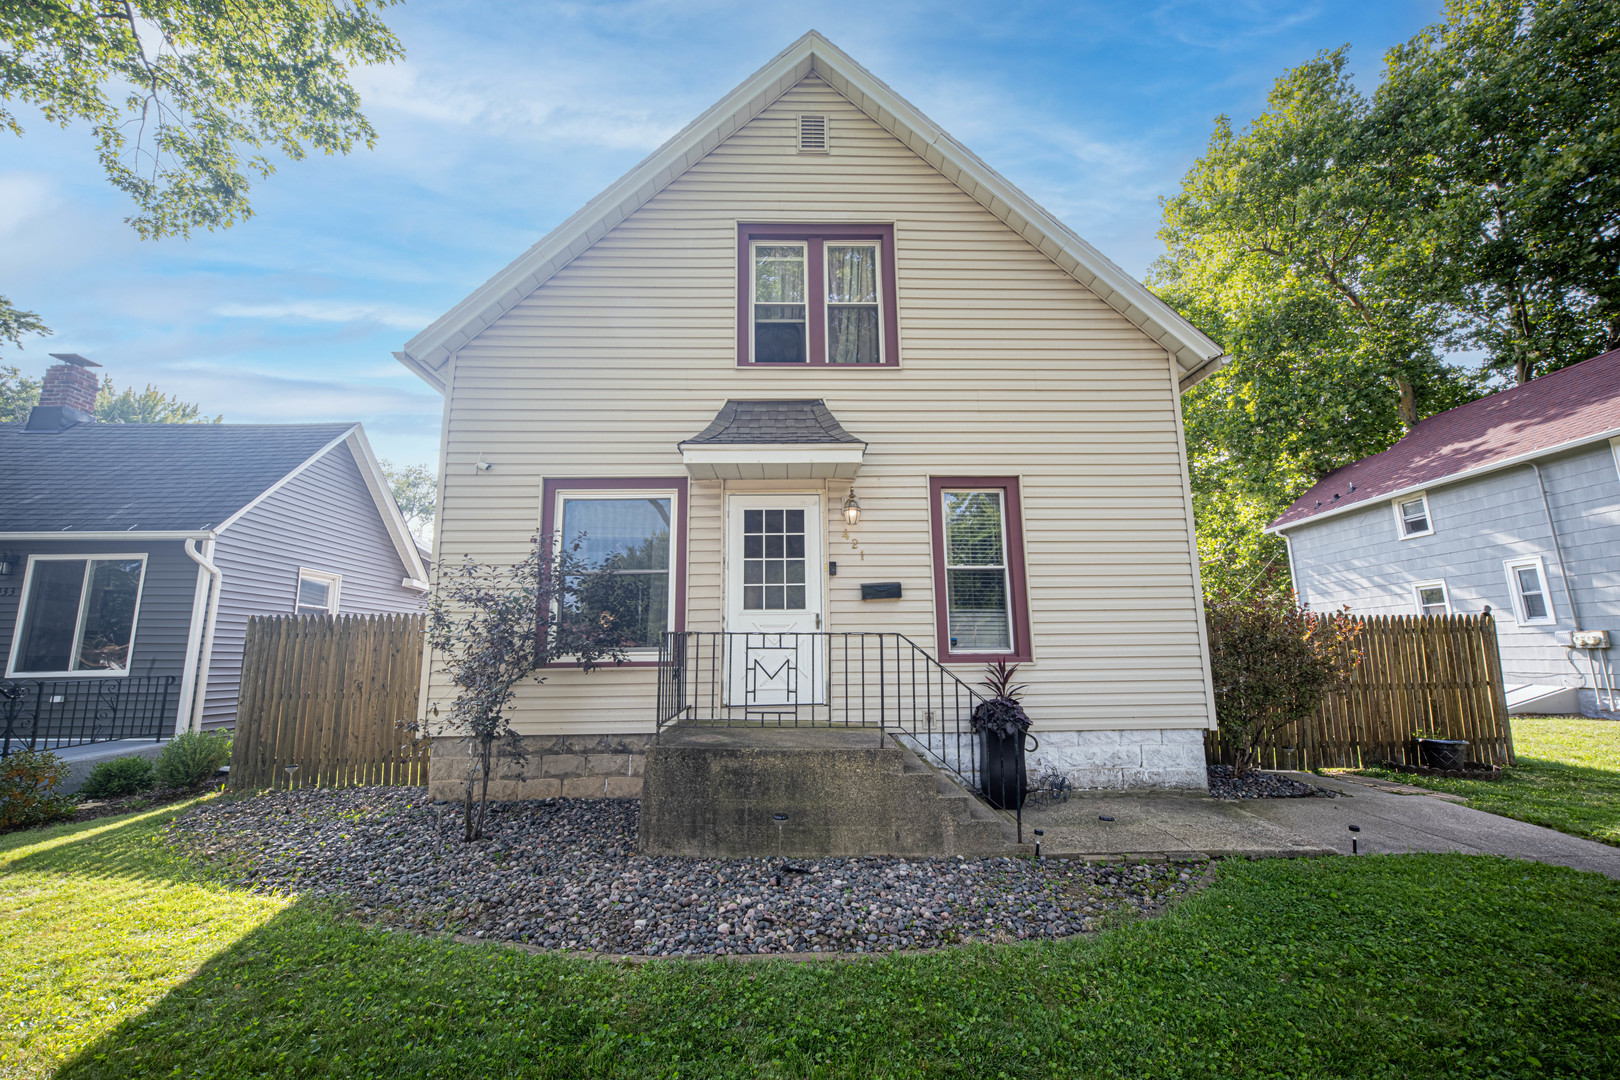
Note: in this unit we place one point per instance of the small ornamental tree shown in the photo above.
(492, 627)
(1272, 663)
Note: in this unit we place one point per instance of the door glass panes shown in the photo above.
(773, 560)
(1432, 600)
(1415, 517)
(1530, 594)
(852, 304)
(779, 304)
(628, 539)
(976, 572)
(81, 615)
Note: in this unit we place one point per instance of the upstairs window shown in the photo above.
(1412, 516)
(817, 294)
(78, 615)
(317, 592)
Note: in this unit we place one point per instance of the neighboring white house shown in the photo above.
(1511, 502)
(813, 293)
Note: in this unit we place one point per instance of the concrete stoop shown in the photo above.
(717, 792)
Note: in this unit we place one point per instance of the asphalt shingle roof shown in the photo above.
(763, 422)
(145, 477)
(1578, 402)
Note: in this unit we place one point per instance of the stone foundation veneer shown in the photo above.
(571, 766)
(1162, 759)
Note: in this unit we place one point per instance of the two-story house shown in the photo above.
(815, 371)
(1511, 503)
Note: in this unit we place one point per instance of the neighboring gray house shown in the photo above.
(1511, 502)
(132, 555)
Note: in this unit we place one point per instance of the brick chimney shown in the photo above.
(68, 396)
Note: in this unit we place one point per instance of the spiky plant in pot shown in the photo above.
(1001, 715)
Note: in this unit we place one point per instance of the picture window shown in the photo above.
(78, 615)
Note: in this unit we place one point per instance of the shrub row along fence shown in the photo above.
(1432, 676)
(333, 695)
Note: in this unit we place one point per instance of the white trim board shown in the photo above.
(427, 353)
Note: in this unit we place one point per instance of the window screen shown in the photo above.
(629, 540)
(1415, 516)
(1432, 600)
(1532, 600)
(779, 304)
(978, 614)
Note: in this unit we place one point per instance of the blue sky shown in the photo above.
(506, 117)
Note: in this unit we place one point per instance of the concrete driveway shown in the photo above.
(1393, 819)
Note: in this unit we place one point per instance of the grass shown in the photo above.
(122, 960)
(1567, 777)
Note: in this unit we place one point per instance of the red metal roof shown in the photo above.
(1579, 402)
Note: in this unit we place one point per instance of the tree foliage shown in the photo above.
(186, 99)
(1271, 662)
(19, 394)
(1342, 245)
(494, 627)
(416, 493)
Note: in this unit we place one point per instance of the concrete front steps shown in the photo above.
(717, 792)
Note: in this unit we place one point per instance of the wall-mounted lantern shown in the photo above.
(852, 508)
(8, 563)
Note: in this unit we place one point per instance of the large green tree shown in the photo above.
(1343, 244)
(19, 394)
(1518, 105)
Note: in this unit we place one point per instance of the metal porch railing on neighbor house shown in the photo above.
(47, 714)
(883, 682)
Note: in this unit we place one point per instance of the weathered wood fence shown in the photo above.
(333, 695)
(1435, 675)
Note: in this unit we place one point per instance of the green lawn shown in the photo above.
(1567, 778)
(123, 961)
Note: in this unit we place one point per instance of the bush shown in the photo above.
(1272, 661)
(190, 759)
(28, 783)
(119, 776)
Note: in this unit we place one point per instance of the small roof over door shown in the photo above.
(773, 440)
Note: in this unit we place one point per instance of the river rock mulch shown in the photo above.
(564, 874)
(1262, 785)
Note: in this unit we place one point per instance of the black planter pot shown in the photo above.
(1002, 775)
(1450, 755)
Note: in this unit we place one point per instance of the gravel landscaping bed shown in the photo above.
(564, 874)
(1262, 785)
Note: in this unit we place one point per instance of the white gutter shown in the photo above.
(198, 675)
(109, 534)
(1449, 478)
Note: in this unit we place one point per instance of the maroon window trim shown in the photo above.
(1017, 590)
(548, 522)
(813, 237)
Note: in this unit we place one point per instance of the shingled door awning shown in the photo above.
(773, 440)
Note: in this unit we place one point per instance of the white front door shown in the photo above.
(774, 602)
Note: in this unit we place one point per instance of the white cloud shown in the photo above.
(329, 311)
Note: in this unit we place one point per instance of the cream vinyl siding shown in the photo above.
(1008, 366)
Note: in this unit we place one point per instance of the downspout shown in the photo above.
(199, 693)
(1558, 551)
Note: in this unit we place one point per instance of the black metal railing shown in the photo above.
(47, 714)
(883, 682)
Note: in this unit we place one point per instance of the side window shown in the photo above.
(1412, 516)
(1432, 598)
(816, 294)
(1527, 583)
(78, 615)
(317, 592)
(981, 598)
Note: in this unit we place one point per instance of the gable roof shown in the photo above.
(428, 352)
(175, 479)
(755, 423)
(1563, 409)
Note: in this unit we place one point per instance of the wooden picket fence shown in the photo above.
(1438, 675)
(333, 695)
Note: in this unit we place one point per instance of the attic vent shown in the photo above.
(812, 134)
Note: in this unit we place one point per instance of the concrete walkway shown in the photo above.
(1393, 819)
